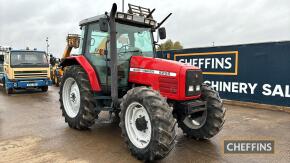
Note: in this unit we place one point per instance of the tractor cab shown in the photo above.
(134, 37)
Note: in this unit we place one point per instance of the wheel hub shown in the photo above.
(141, 123)
(73, 97)
(196, 120)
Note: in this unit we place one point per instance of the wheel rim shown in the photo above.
(138, 125)
(71, 97)
(196, 120)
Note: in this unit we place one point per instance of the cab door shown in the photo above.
(94, 50)
(97, 52)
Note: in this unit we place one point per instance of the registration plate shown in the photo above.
(32, 84)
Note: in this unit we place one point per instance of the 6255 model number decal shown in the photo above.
(156, 72)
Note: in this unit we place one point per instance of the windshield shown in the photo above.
(134, 40)
(28, 58)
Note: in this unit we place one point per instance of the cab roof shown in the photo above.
(91, 19)
(135, 19)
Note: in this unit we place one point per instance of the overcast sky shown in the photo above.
(194, 23)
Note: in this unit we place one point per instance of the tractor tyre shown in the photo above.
(211, 120)
(76, 99)
(44, 88)
(147, 124)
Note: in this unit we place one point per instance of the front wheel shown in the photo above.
(44, 88)
(204, 124)
(147, 124)
(7, 90)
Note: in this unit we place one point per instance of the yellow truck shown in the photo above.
(23, 69)
(55, 71)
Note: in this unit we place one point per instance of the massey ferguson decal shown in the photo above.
(156, 72)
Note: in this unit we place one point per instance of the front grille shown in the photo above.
(30, 74)
(193, 78)
(168, 85)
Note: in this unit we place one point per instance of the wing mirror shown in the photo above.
(103, 22)
(162, 33)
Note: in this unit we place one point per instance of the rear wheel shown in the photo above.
(204, 124)
(76, 99)
(147, 124)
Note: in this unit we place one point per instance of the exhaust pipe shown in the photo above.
(114, 58)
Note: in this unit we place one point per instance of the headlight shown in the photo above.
(152, 22)
(129, 17)
(193, 82)
(190, 88)
(147, 21)
(197, 88)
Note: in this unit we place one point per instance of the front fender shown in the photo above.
(82, 61)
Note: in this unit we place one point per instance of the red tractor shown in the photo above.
(117, 72)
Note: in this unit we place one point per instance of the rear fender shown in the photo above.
(82, 61)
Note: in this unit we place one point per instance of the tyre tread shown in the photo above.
(87, 114)
(163, 122)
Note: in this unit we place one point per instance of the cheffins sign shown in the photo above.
(212, 63)
(257, 72)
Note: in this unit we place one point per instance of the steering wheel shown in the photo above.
(125, 47)
(129, 50)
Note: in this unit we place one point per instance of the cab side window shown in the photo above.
(96, 40)
(95, 49)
